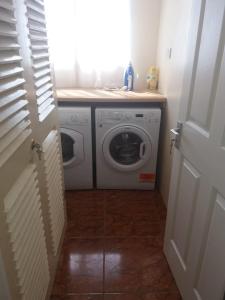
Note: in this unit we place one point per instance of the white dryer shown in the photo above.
(126, 147)
(76, 137)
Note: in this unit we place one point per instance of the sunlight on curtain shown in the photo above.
(89, 41)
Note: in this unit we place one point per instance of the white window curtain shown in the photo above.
(89, 42)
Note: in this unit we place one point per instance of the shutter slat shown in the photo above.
(10, 72)
(44, 97)
(37, 28)
(46, 112)
(9, 59)
(35, 8)
(14, 146)
(43, 89)
(11, 84)
(42, 73)
(13, 135)
(40, 55)
(8, 46)
(6, 5)
(39, 47)
(12, 109)
(11, 123)
(6, 33)
(12, 97)
(7, 18)
(36, 19)
(34, 37)
(41, 65)
(42, 81)
(39, 2)
(42, 107)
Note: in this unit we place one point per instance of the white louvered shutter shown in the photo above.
(22, 236)
(40, 57)
(31, 223)
(14, 116)
(48, 120)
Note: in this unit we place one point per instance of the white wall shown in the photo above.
(145, 18)
(173, 33)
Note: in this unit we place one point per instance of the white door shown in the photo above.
(31, 193)
(195, 239)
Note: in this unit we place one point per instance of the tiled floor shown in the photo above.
(113, 248)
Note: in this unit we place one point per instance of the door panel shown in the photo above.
(208, 288)
(209, 59)
(54, 187)
(26, 233)
(40, 58)
(15, 136)
(14, 115)
(195, 219)
(43, 108)
(187, 193)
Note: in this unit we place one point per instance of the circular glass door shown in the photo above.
(67, 147)
(127, 148)
(72, 147)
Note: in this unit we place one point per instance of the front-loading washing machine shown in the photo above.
(126, 147)
(76, 137)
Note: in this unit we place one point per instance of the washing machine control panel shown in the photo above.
(117, 117)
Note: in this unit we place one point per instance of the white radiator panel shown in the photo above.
(55, 189)
(14, 122)
(25, 225)
(40, 57)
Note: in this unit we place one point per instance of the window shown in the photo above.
(89, 41)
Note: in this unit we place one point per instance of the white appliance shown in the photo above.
(126, 147)
(76, 137)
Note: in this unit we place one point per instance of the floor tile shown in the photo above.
(85, 212)
(79, 297)
(132, 213)
(162, 296)
(81, 267)
(123, 296)
(141, 296)
(136, 264)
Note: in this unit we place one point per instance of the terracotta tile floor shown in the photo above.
(113, 248)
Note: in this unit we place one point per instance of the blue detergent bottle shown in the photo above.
(129, 77)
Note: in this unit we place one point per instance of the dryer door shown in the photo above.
(72, 147)
(127, 148)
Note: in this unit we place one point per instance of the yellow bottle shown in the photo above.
(152, 78)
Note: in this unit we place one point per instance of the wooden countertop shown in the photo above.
(97, 95)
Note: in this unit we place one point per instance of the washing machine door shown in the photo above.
(72, 147)
(127, 148)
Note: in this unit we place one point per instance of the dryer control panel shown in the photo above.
(77, 116)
